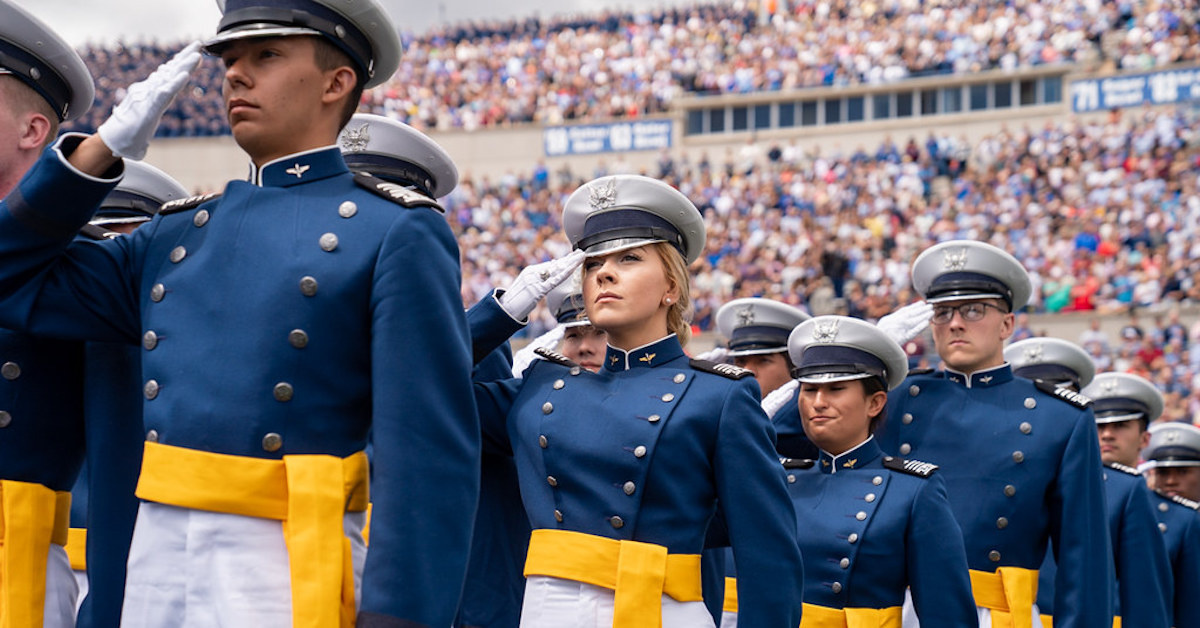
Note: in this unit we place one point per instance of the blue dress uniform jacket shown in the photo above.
(283, 319)
(41, 410)
(1143, 594)
(1179, 522)
(641, 451)
(1021, 467)
(868, 532)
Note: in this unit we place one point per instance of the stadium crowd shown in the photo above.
(605, 65)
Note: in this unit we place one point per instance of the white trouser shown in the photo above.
(985, 615)
(81, 582)
(557, 603)
(196, 568)
(61, 591)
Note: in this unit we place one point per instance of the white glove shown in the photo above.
(535, 282)
(779, 398)
(716, 354)
(907, 322)
(128, 130)
(526, 355)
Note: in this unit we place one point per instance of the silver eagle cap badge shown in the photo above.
(826, 331)
(603, 195)
(356, 140)
(954, 259)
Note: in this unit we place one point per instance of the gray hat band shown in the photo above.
(341, 32)
(655, 234)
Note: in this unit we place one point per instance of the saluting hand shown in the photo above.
(907, 322)
(535, 282)
(128, 130)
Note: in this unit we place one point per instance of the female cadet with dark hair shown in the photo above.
(621, 470)
(873, 525)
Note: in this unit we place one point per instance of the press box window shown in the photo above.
(787, 115)
(716, 120)
(904, 105)
(695, 122)
(741, 118)
(979, 96)
(855, 109)
(881, 106)
(762, 116)
(833, 111)
(808, 113)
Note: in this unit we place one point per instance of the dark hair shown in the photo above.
(872, 385)
(330, 57)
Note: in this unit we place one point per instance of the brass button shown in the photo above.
(994, 556)
(158, 292)
(152, 436)
(201, 218)
(298, 338)
(905, 448)
(837, 587)
(1018, 457)
(877, 480)
(1002, 523)
(149, 340)
(558, 515)
(1010, 490)
(853, 538)
(272, 442)
(150, 389)
(1030, 403)
(284, 391)
(552, 481)
(547, 408)
(870, 497)
(1026, 428)
(5, 418)
(914, 390)
(680, 378)
(629, 488)
(347, 209)
(1162, 527)
(791, 478)
(558, 384)
(639, 451)
(844, 563)
(617, 522)
(653, 418)
(861, 516)
(543, 441)
(907, 418)
(308, 286)
(329, 242)
(177, 254)
(575, 370)
(1162, 507)
(668, 398)
(10, 371)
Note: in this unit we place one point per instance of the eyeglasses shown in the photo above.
(969, 312)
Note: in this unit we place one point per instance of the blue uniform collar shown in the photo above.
(654, 354)
(856, 458)
(303, 167)
(982, 379)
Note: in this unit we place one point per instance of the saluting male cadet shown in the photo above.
(1174, 446)
(281, 321)
(43, 82)
(1143, 572)
(1020, 460)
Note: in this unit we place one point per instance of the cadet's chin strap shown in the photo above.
(31, 518)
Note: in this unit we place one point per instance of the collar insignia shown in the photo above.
(647, 358)
(824, 462)
(356, 140)
(825, 332)
(954, 260)
(603, 195)
(850, 463)
(613, 359)
(985, 379)
(745, 316)
(297, 170)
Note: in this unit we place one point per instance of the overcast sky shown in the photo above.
(83, 21)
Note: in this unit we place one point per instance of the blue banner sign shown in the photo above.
(617, 137)
(1156, 88)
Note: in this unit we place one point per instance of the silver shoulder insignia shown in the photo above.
(911, 467)
(724, 370)
(797, 463)
(1066, 394)
(552, 356)
(1122, 468)
(92, 232)
(399, 194)
(184, 204)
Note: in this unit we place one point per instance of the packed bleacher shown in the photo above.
(615, 65)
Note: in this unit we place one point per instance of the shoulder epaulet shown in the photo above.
(911, 467)
(797, 463)
(92, 232)
(924, 371)
(1122, 468)
(718, 368)
(1182, 501)
(184, 204)
(403, 196)
(1066, 394)
(556, 358)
